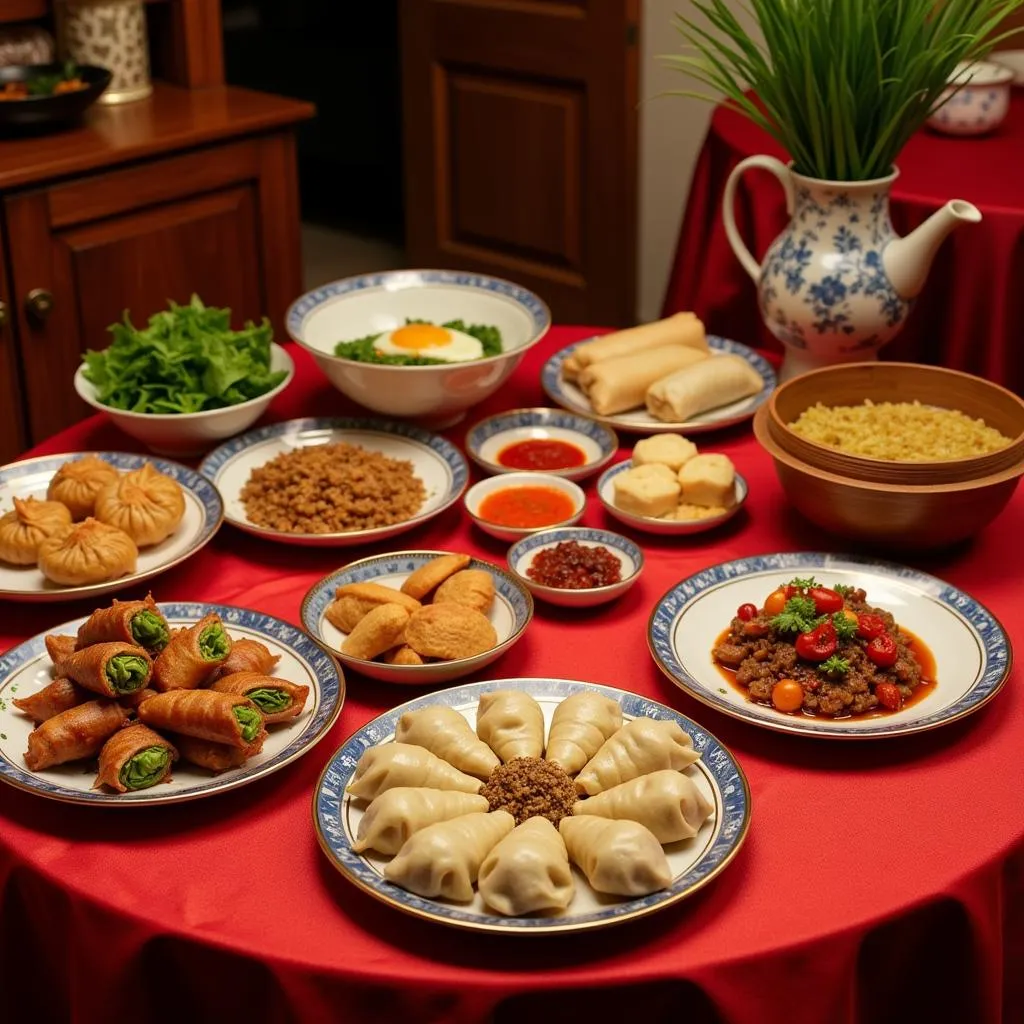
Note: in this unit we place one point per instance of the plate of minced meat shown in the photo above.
(826, 645)
(334, 482)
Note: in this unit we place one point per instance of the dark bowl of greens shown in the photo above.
(186, 381)
(37, 95)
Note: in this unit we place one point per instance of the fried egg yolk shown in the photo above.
(430, 342)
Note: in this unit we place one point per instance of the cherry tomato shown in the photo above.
(775, 602)
(889, 696)
(819, 644)
(790, 591)
(746, 612)
(852, 616)
(870, 626)
(787, 695)
(826, 602)
(883, 651)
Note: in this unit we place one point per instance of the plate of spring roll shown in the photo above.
(531, 806)
(140, 703)
(666, 376)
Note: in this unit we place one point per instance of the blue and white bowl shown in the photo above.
(476, 495)
(510, 615)
(488, 438)
(359, 306)
(977, 100)
(522, 554)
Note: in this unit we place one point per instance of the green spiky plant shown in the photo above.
(841, 84)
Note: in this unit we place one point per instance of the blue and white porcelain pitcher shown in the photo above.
(838, 284)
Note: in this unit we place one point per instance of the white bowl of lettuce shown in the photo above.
(186, 381)
(420, 344)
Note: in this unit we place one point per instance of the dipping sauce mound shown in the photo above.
(527, 507)
(570, 565)
(529, 787)
(542, 454)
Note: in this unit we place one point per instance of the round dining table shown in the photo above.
(880, 880)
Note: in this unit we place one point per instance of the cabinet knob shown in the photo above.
(39, 303)
(3, 314)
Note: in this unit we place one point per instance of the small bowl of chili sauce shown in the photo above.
(552, 441)
(576, 567)
(515, 505)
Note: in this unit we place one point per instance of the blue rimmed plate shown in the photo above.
(510, 615)
(27, 668)
(486, 439)
(640, 421)
(971, 650)
(204, 513)
(694, 862)
(437, 463)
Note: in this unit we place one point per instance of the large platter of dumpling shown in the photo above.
(83, 524)
(445, 807)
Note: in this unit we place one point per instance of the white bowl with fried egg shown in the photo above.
(389, 307)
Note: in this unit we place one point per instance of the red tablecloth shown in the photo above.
(970, 315)
(880, 881)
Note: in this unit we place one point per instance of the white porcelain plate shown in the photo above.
(694, 862)
(972, 651)
(640, 421)
(204, 512)
(437, 463)
(27, 668)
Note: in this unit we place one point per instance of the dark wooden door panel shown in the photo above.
(13, 438)
(520, 145)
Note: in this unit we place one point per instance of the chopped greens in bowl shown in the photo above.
(362, 350)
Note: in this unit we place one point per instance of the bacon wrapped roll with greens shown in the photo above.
(111, 669)
(135, 758)
(61, 695)
(59, 647)
(217, 757)
(217, 717)
(78, 732)
(278, 699)
(131, 622)
(192, 655)
(247, 656)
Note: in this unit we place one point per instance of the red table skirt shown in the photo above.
(970, 315)
(879, 882)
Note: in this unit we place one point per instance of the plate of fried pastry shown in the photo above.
(528, 806)
(88, 523)
(141, 703)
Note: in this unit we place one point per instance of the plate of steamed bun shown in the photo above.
(88, 523)
(531, 806)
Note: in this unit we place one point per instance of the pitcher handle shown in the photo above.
(767, 163)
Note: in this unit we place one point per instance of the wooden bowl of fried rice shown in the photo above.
(898, 423)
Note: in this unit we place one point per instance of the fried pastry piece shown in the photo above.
(192, 654)
(111, 669)
(432, 574)
(131, 622)
(135, 758)
(449, 631)
(24, 528)
(473, 588)
(216, 757)
(278, 699)
(618, 857)
(78, 732)
(59, 647)
(217, 717)
(528, 871)
(397, 813)
(247, 656)
(443, 731)
(377, 631)
(87, 552)
(145, 503)
(403, 655)
(354, 600)
(77, 483)
(60, 695)
(402, 764)
(511, 723)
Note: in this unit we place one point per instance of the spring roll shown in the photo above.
(78, 732)
(131, 622)
(61, 695)
(217, 717)
(277, 699)
(192, 654)
(59, 647)
(133, 700)
(615, 385)
(112, 669)
(135, 758)
(706, 385)
(217, 757)
(247, 656)
(678, 329)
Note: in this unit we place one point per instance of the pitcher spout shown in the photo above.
(908, 260)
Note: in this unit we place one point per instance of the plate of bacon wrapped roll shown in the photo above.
(666, 376)
(141, 703)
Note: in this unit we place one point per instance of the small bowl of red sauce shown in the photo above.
(515, 505)
(552, 441)
(576, 567)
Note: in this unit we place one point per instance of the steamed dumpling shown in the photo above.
(443, 731)
(401, 764)
(618, 857)
(511, 723)
(144, 503)
(88, 552)
(27, 526)
(77, 483)
(444, 859)
(528, 871)
(641, 746)
(666, 802)
(397, 813)
(580, 725)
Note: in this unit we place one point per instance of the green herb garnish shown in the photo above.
(799, 615)
(803, 584)
(269, 700)
(361, 350)
(213, 643)
(250, 720)
(843, 590)
(834, 666)
(845, 627)
(46, 85)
